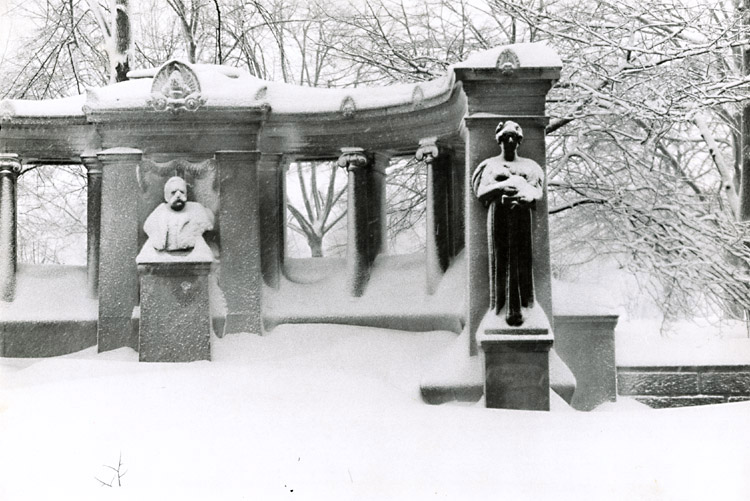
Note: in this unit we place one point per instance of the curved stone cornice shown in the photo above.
(298, 120)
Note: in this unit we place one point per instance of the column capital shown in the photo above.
(10, 163)
(92, 163)
(120, 155)
(430, 149)
(354, 158)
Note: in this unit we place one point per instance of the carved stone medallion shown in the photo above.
(175, 89)
(508, 62)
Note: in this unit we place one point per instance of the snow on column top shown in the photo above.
(529, 55)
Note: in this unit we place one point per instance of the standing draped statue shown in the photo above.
(509, 185)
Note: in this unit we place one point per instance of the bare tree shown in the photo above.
(321, 208)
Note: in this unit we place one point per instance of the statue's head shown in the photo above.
(509, 134)
(175, 193)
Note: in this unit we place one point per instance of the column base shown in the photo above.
(115, 332)
(516, 361)
(243, 322)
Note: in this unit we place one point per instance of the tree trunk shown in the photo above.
(120, 57)
(316, 245)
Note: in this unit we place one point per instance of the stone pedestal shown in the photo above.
(175, 324)
(516, 361)
(587, 345)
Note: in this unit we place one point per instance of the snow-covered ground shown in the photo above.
(643, 342)
(333, 412)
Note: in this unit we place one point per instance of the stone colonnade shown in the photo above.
(251, 186)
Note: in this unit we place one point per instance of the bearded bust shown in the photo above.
(176, 224)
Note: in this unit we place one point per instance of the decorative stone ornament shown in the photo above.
(428, 150)
(176, 167)
(175, 89)
(417, 98)
(348, 107)
(508, 62)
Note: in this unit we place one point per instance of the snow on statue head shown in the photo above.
(176, 224)
(509, 135)
(175, 193)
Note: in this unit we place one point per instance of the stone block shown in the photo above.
(175, 323)
(725, 383)
(46, 338)
(682, 401)
(586, 343)
(657, 383)
(436, 395)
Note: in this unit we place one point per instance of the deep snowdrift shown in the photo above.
(333, 412)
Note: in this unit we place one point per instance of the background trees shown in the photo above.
(644, 144)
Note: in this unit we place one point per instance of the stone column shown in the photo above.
(10, 167)
(118, 274)
(240, 278)
(93, 220)
(366, 219)
(438, 238)
(457, 205)
(272, 200)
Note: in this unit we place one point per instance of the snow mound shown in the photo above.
(332, 412)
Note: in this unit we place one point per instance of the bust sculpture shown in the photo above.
(176, 224)
(509, 185)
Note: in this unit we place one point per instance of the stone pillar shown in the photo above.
(366, 217)
(272, 200)
(175, 324)
(439, 230)
(93, 221)
(10, 167)
(240, 278)
(500, 89)
(118, 274)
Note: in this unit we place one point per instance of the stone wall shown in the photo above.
(679, 386)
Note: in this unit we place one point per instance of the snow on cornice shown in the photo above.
(223, 88)
(46, 108)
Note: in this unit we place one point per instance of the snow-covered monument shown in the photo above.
(231, 136)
